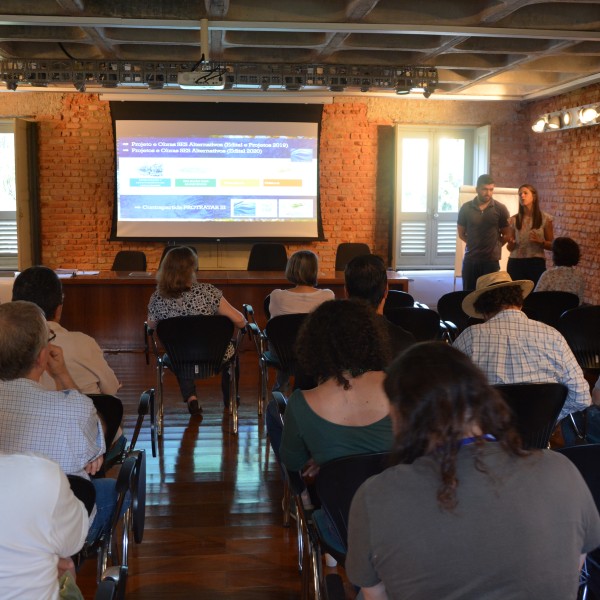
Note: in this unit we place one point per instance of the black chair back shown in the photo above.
(398, 299)
(267, 257)
(84, 490)
(129, 260)
(587, 458)
(581, 328)
(347, 251)
(281, 333)
(195, 345)
(337, 483)
(547, 307)
(535, 407)
(110, 408)
(449, 307)
(423, 323)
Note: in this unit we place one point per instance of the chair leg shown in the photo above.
(286, 504)
(260, 391)
(158, 387)
(262, 394)
(233, 406)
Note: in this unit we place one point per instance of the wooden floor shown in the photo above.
(213, 514)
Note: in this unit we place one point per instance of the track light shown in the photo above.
(212, 75)
(11, 85)
(539, 125)
(589, 114)
(568, 118)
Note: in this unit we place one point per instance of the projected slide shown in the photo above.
(216, 179)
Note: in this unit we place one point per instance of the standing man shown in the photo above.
(483, 226)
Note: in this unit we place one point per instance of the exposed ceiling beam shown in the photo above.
(308, 27)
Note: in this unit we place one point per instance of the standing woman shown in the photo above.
(533, 233)
(178, 294)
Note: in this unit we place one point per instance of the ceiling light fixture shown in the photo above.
(213, 75)
(588, 114)
(539, 125)
(568, 118)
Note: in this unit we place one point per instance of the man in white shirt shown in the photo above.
(39, 530)
(511, 348)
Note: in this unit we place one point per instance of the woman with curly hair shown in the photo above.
(465, 512)
(532, 234)
(178, 294)
(343, 346)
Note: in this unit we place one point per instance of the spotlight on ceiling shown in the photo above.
(539, 125)
(80, 86)
(11, 85)
(402, 89)
(427, 93)
(588, 115)
(554, 122)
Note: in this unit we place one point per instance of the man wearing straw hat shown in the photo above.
(511, 348)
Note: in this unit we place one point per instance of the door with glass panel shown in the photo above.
(8, 198)
(431, 165)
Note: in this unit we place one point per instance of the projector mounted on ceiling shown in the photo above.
(201, 80)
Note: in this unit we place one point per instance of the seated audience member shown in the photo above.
(465, 512)
(345, 348)
(178, 294)
(511, 348)
(365, 278)
(42, 523)
(61, 425)
(301, 270)
(563, 277)
(83, 357)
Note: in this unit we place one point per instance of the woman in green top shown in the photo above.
(344, 347)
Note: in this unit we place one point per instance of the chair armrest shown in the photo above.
(449, 330)
(143, 410)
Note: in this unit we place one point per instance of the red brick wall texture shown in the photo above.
(77, 180)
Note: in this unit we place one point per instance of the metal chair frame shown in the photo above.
(196, 363)
(112, 549)
(280, 332)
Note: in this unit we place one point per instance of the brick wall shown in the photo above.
(564, 166)
(77, 169)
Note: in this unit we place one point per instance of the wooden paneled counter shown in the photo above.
(112, 307)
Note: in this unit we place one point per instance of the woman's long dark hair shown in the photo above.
(436, 392)
(536, 216)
